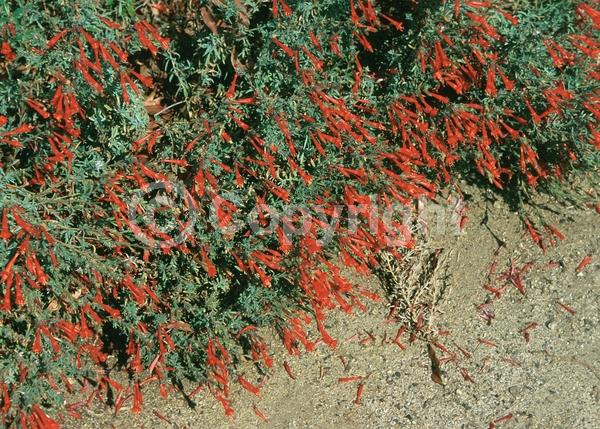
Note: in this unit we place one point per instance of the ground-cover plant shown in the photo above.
(175, 175)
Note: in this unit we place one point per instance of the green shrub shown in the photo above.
(235, 116)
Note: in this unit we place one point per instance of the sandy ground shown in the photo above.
(553, 381)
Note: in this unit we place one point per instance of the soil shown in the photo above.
(552, 381)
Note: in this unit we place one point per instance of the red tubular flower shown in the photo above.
(287, 11)
(142, 36)
(21, 129)
(109, 23)
(353, 15)
(396, 24)
(6, 403)
(584, 9)
(54, 40)
(508, 84)
(6, 50)
(286, 49)
(164, 42)
(249, 386)
(88, 78)
(315, 41)
(41, 419)
(555, 232)
(145, 80)
(107, 56)
(334, 47)
(5, 233)
(38, 107)
(138, 400)
(118, 51)
(512, 19)
(490, 87)
(37, 342)
(211, 270)
(274, 8)
(137, 293)
(364, 42)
